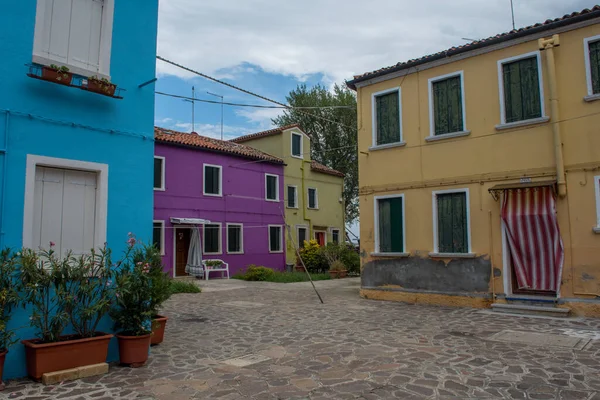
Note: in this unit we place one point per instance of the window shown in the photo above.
(597, 188)
(212, 239)
(451, 221)
(158, 236)
(272, 187)
(212, 180)
(297, 145)
(302, 235)
(313, 200)
(235, 239)
(387, 123)
(592, 64)
(335, 236)
(446, 104)
(292, 197)
(159, 173)
(521, 93)
(76, 33)
(275, 239)
(389, 220)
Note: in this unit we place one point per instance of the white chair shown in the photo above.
(210, 266)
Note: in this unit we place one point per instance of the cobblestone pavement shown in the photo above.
(348, 348)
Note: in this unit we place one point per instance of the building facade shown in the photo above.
(232, 192)
(74, 164)
(313, 193)
(479, 171)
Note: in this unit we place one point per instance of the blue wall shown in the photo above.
(43, 118)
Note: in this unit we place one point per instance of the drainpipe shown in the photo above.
(3, 151)
(548, 46)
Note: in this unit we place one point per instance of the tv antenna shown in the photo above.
(512, 11)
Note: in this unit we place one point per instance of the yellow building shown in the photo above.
(479, 171)
(314, 206)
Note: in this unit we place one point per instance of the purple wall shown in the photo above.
(242, 202)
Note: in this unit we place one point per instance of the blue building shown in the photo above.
(75, 165)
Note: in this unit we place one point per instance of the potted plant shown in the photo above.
(9, 299)
(101, 85)
(332, 253)
(62, 291)
(56, 74)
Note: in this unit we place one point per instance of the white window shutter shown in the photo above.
(85, 33)
(48, 207)
(53, 20)
(78, 212)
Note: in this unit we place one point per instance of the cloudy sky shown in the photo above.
(269, 46)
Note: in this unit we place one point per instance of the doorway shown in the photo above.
(321, 238)
(182, 247)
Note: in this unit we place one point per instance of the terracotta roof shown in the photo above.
(194, 140)
(271, 132)
(567, 19)
(318, 167)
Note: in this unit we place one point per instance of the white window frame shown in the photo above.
(163, 174)
(276, 199)
(376, 215)
(287, 205)
(597, 188)
(374, 96)
(220, 167)
(301, 156)
(106, 34)
(316, 207)
(339, 231)
(162, 234)
(588, 68)
(463, 131)
(501, 63)
(220, 239)
(101, 170)
(281, 241)
(436, 247)
(305, 227)
(241, 237)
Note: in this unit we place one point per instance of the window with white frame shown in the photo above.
(313, 199)
(302, 235)
(271, 187)
(297, 145)
(158, 236)
(159, 173)
(592, 64)
(389, 224)
(292, 196)
(212, 239)
(451, 221)
(597, 188)
(74, 33)
(213, 180)
(387, 117)
(235, 238)
(447, 104)
(335, 236)
(275, 239)
(521, 88)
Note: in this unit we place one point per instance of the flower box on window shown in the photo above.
(101, 86)
(56, 74)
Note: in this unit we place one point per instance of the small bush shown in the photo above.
(313, 257)
(337, 265)
(255, 273)
(351, 260)
(178, 286)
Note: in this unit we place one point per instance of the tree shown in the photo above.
(332, 130)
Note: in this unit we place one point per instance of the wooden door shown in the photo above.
(320, 236)
(182, 246)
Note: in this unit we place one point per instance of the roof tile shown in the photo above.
(270, 132)
(318, 167)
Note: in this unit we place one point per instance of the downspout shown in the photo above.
(3, 152)
(548, 46)
(310, 227)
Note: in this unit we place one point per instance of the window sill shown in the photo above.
(519, 124)
(592, 97)
(298, 157)
(391, 255)
(387, 146)
(212, 195)
(596, 229)
(276, 252)
(159, 189)
(235, 254)
(452, 255)
(292, 208)
(447, 136)
(311, 208)
(272, 200)
(72, 69)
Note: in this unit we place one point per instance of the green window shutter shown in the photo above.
(271, 187)
(211, 238)
(157, 235)
(391, 238)
(595, 66)
(452, 223)
(387, 108)
(275, 238)
(296, 145)
(234, 238)
(312, 198)
(522, 99)
(301, 237)
(447, 106)
(291, 196)
(211, 180)
(158, 162)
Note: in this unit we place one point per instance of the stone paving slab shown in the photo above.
(347, 348)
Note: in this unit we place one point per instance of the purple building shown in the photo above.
(234, 193)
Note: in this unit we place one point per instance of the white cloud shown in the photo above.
(210, 130)
(260, 116)
(333, 37)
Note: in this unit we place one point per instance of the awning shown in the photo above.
(495, 191)
(189, 221)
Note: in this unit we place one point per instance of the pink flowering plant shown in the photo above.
(149, 258)
(9, 296)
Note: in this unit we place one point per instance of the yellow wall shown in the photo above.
(488, 157)
(330, 212)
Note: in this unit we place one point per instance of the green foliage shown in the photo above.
(351, 259)
(160, 282)
(177, 286)
(255, 273)
(312, 256)
(63, 68)
(334, 143)
(286, 277)
(9, 296)
(213, 263)
(337, 265)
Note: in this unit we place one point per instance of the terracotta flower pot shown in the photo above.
(68, 353)
(342, 274)
(107, 89)
(299, 268)
(2, 358)
(333, 274)
(52, 75)
(158, 329)
(133, 350)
